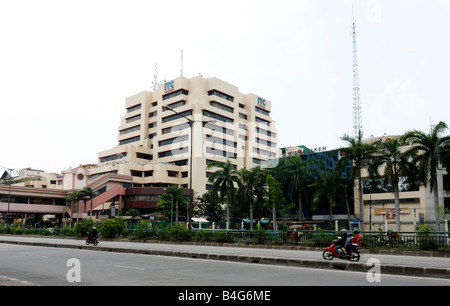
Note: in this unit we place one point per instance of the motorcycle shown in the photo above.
(91, 240)
(330, 253)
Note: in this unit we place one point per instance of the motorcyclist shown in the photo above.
(354, 241)
(93, 234)
(340, 243)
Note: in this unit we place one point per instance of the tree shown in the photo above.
(208, 204)
(88, 192)
(224, 180)
(430, 149)
(359, 153)
(173, 195)
(396, 164)
(74, 196)
(301, 173)
(275, 197)
(251, 186)
(328, 187)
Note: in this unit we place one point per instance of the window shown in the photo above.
(172, 173)
(144, 156)
(183, 162)
(258, 161)
(220, 95)
(152, 125)
(265, 142)
(222, 107)
(112, 157)
(176, 128)
(130, 140)
(133, 108)
(221, 153)
(130, 130)
(243, 116)
(173, 152)
(175, 105)
(175, 93)
(262, 121)
(173, 140)
(136, 173)
(216, 128)
(264, 132)
(148, 173)
(216, 116)
(221, 141)
(153, 114)
(134, 118)
(263, 152)
(262, 111)
(177, 116)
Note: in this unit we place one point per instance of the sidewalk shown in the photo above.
(420, 264)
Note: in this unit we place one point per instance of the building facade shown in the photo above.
(206, 119)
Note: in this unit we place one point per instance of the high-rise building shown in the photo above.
(203, 119)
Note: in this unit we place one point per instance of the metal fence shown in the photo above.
(430, 241)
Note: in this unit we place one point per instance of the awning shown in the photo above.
(199, 220)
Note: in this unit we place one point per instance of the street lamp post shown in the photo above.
(191, 124)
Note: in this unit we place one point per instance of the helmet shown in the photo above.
(356, 231)
(344, 232)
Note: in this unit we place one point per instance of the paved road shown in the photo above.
(419, 261)
(46, 266)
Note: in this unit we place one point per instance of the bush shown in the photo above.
(112, 227)
(222, 236)
(180, 233)
(144, 230)
(426, 241)
(81, 228)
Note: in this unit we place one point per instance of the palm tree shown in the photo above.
(359, 153)
(329, 186)
(88, 192)
(74, 196)
(396, 164)
(430, 149)
(224, 180)
(251, 185)
(177, 197)
(301, 172)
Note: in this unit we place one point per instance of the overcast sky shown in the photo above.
(66, 67)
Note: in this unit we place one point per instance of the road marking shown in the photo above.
(129, 267)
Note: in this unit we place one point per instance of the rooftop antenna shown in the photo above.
(357, 113)
(181, 62)
(155, 78)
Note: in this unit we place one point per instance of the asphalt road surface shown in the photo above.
(45, 266)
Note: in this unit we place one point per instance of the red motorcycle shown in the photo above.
(91, 240)
(330, 253)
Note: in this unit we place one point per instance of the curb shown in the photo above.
(443, 273)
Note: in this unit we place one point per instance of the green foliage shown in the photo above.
(426, 241)
(81, 228)
(112, 227)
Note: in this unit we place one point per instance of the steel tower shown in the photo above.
(357, 113)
